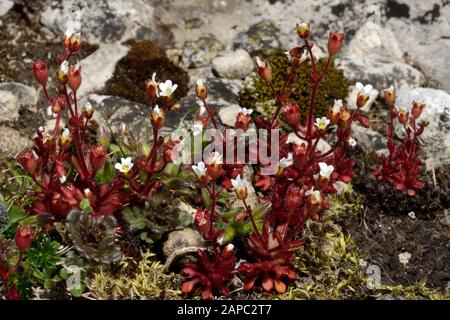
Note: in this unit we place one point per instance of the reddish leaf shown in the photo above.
(188, 286)
(267, 283)
(280, 286)
(249, 283)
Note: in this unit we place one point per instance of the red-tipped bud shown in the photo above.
(335, 42)
(228, 251)
(403, 116)
(30, 162)
(201, 89)
(243, 119)
(24, 238)
(202, 222)
(264, 70)
(97, 157)
(59, 103)
(292, 115)
(151, 88)
(303, 29)
(293, 198)
(214, 164)
(157, 117)
(74, 77)
(389, 96)
(72, 40)
(417, 109)
(63, 72)
(394, 112)
(40, 71)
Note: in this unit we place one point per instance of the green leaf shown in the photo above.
(85, 206)
(106, 174)
(16, 214)
(135, 217)
(206, 198)
(229, 234)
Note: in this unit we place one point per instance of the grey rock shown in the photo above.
(436, 137)
(99, 67)
(227, 115)
(12, 96)
(233, 65)
(12, 142)
(262, 36)
(381, 73)
(446, 218)
(5, 6)
(180, 243)
(107, 21)
(200, 52)
(369, 139)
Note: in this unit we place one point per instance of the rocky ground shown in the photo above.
(399, 42)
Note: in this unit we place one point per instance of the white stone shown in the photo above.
(5, 6)
(12, 142)
(227, 115)
(98, 68)
(322, 146)
(233, 65)
(12, 96)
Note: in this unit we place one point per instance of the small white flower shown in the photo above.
(167, 88)
(246, 111)
(230, 247)
(202, 111)
(286, 162)
(125, 165)
(391, 88)
(260, 63)
(199, 169)
(50, 112)
(62, 179)
(64, 67)
(322, 123)
(302, 24)
(337, 106)
(352, 142)
(197, 128)
(200, 82)
(88, 107)
(65, 134)
(214, 158)
(365, 90)
(325, 170)
(313, 193)
(157, 111)
(239, 183)
(288, 55)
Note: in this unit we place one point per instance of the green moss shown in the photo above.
(333, 86)
(131, 279)
(137, 66)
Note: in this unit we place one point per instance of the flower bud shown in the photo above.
(417, 109)
(30, 162)
(403, 116)
(292, 115)
(293, 198)
(228, 250)
(201, 89)
(65, 139)
(97, 157)
(72, 40)
(202, 221)
(424, 123)
(264, 70)
(303, 29)
(40, 71)
(157, 117)
(243, 121)
(63, 72)
(74, 77)
(24, 238)
(88, 110)
(335, 42)
(214, 164)
(151, 88)
(240, 187)
(389, 96)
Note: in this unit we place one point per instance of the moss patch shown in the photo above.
(137, 66)
(333, 86)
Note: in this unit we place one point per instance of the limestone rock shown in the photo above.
(233, 65)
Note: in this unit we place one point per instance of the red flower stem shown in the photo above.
(281, 98)
(252, 219)
(211, 115)
(49, 99)
(58, 120)
(151, 161)
(75, 102)
(314, 89)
